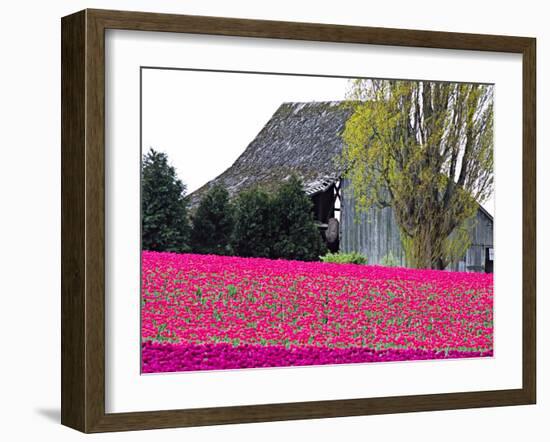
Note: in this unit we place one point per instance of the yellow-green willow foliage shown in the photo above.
(426, 150)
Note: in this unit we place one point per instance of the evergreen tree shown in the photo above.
(213, 223)
(296, 234)
(164, 222)
(254, 224)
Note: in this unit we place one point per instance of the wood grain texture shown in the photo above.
(83, 220)
(95, 222)
(529, 220)
(145, 21)
(73, 128)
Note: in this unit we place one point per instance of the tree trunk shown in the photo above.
(440, 265)
(424, 250)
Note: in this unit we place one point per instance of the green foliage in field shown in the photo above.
(345, 258)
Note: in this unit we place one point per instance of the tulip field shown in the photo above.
(206, 312)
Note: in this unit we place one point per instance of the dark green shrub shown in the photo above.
(254, 224)
(345, 258)
(296, 235)
(164, 221)
(213, 223)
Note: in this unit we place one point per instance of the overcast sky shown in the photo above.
(205, 120)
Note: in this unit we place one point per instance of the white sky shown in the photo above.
(205, 120)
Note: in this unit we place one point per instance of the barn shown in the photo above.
(305, 139)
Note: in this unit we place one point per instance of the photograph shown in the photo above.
(302, 220)
(288, 219)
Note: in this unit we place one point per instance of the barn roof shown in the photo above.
(300, 138)
(485, 212)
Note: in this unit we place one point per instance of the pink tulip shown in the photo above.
(303, 313)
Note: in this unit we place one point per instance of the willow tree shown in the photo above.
(426, 150)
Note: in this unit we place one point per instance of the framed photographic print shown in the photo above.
(270, 220)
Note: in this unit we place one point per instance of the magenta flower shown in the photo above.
(203, 312)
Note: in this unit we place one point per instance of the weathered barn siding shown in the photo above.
(482, 239)
(375, 234)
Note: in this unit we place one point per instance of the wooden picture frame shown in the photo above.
(83, 220)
